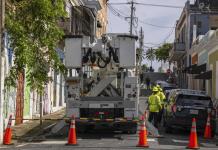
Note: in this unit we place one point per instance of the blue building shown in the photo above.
(196, 19)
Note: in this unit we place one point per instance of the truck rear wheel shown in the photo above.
(130, 131)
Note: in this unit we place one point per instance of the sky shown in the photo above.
(161, 16)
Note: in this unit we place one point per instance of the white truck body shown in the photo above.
(101, 83)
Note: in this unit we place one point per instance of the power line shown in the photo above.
(155, 45)
(156, 5)
(168, 36)
(117, 10)
(158, 26)
(150, 43)
(122, 15)
(148, 4)
(114, 12)
(133, 20)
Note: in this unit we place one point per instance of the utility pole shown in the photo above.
(2, 18)
(131, 16)
(141, 44)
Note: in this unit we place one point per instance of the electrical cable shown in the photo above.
(123, 16)
(157, 5)
(158, 26)
(148, 4)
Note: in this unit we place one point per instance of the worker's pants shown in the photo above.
(160, 114)
(153, 116)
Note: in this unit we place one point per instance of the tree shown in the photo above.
(162, 53)
(150, 55)
(34, 37)
(144, 68)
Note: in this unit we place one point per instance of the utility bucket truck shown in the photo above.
(102, 87)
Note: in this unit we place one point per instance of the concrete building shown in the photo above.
(205, 51)
(102, 21)
(196, 19)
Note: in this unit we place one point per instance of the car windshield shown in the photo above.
(192, 100)
(168, 88)
(167, 95)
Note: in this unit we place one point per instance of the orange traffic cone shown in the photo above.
(72, 133)
(207, 132)
(143, 136)
(8, 133)
(193, 140)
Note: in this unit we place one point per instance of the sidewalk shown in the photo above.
(33, 128)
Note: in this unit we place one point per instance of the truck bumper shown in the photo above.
(127, 126)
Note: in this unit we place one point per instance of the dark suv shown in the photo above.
(183, 105)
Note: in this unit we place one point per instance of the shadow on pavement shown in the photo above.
(180, 137)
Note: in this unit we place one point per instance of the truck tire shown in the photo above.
(130, 131)
(82, 130)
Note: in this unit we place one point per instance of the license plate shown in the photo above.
(101, 105)
(194, 112)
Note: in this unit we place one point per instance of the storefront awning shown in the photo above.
(187, 69)
(205, 76)
(195, 69)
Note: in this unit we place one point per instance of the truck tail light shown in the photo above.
(174, 108)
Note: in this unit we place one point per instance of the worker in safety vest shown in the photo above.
(162, 99)
(154, 105)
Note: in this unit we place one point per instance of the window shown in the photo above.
(213, 28)
(192, 100)
(199, 24)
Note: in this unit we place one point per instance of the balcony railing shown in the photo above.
(95, 4)
(177, 51)
(65, 24)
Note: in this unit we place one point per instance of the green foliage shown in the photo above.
(140, 54)
(144, 68)
(150, 54)
(34, 35)
(162, 53)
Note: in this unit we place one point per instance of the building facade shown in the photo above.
(195, 20)
(81, 20)
(102, 21)
(205, 50)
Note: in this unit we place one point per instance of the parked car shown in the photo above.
(165, 85)
(167, 93)
(183, 105)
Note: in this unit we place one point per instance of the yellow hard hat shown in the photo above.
(158, 86)
(160, 89)
(155, 89)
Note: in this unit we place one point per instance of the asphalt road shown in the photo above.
(102, 140)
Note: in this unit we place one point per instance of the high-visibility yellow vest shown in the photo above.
(154, 103)
(162, 97)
